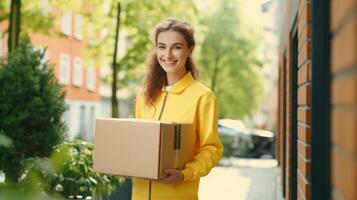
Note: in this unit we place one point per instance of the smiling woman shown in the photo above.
(172, 51)
(172, 93)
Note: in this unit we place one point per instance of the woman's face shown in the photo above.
(172, 52)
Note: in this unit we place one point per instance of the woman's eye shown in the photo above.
(161, 47)
(177, 47)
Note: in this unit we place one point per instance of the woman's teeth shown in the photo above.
(169, 62)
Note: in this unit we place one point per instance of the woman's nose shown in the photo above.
(168, 53)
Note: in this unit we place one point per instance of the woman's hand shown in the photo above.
(173, 176)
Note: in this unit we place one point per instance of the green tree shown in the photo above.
(34, 17)
(228, 61)
(31, 106)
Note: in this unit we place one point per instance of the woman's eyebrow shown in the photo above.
(177, 43)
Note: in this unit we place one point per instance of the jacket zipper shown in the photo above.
(160, 115)
(163, 105)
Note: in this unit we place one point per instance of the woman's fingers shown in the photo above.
(172, 171)
(173, 176)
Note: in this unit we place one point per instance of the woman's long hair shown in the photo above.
(156, 76)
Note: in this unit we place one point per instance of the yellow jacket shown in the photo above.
(188, 101)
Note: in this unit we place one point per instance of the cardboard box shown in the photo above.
(141, 148)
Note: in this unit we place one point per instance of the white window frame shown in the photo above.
(64, 68)
(45, 6)
(66, 23)
(91, 78)
(82, 131)
(78, 27)
(77, 72)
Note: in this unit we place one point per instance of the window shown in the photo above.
(91, 78)
(82, 126)
(78, 27)
(66, 117)
(91, 123)
(66, 23)
(64, 69)
(77, 72)
(45, 6)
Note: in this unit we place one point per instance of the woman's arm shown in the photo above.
(211, 148)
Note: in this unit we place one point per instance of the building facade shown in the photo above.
(78, 75)
(317, 112)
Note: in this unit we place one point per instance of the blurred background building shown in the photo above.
(264, 118)
(79, 75)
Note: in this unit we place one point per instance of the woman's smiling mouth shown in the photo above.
(170, 62)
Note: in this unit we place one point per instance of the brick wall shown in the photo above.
(344, 99)
(304, 100)
(303, 110)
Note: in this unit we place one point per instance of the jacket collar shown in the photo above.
(182, 84)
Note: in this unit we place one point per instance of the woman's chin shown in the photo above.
(169, 69)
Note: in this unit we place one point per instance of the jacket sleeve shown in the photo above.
(210, 147)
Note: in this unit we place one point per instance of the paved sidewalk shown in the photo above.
(242, 179)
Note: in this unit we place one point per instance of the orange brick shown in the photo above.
(344, 91)
(305, 17)
(304, 133)
(304, 186)
(340, 9)
(344, 130)
(304, 167)
(301, 195)
(304, 116)
(304, 95)
(344, 173)
(304, 150)
(305, 36)
(304, 73)
(301, 6)
(304, 53)
(344, 47)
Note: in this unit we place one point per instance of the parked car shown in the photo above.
(235, 137)
(239, 141)
(264, 144)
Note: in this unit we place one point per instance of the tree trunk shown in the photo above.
(14, 27)
(115, 102)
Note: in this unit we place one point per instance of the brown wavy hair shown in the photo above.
(156, 76)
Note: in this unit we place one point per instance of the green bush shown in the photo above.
(67, 174)
(31, 106)
(74, 175)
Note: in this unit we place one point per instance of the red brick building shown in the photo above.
(317, 115)
(78, 75)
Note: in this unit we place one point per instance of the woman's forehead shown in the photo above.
(170, 37)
